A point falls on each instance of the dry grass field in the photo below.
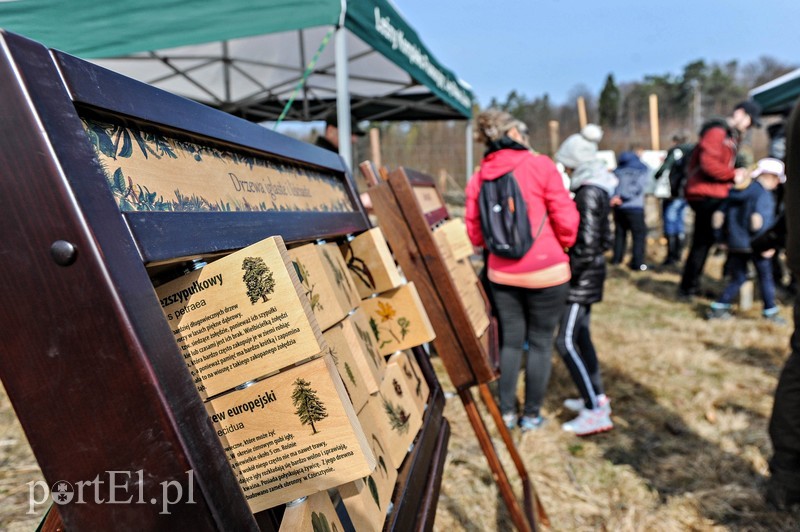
(691, 401)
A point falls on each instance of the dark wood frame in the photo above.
(408, 230)
(89, 364)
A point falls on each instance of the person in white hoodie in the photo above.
(593, 186)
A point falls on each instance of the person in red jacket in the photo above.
(529, 292)
(711, 173)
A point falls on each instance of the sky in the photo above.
(553, 46)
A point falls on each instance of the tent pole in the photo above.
(343, 97)
(469, 142)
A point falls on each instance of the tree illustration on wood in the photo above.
(398, 417)
(309, 407)
(258, 278)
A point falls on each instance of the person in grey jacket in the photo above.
(593, 185)
(628, 203)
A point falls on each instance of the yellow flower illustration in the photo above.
(385, 311)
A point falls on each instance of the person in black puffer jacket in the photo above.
(593, 186)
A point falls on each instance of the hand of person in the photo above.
(616, 201)
(740, 175)
(768, 254)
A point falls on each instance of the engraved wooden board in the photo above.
(155, 172)
(291, 434)
(353, 349)
(367, 500)
(240, 317)
(455, 234)
(314, 513)
(398, 320)
(428, 198)
(371, 263)
(394, 418)
(325, 281)
(407, 368)
(466, 282)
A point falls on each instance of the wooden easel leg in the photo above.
(529, 493)
(523, 522)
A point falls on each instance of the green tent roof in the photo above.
(780, 94)
(248, 57)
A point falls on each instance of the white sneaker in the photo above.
(577, 404)
(510, 421)
(589, 422)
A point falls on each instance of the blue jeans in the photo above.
(737, 269)
(673, 216)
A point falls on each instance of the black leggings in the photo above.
(532, 315)
(574, 344)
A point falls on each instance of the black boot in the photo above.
(673, 252)
(680, 240)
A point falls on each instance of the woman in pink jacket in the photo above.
(530, 292)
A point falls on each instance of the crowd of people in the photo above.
(543, 294)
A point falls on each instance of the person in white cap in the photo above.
(746, 214)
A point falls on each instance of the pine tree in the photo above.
(309, 407)
(258, 278)
(609, 103)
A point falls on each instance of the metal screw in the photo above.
(64, 253)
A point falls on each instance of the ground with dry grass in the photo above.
(691, 403)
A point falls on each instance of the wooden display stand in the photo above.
(110, 188)
(408, 207)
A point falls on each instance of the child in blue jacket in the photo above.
(746, 214)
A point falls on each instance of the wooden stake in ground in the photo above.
(375, 145)
(654, 134)
(552, 127)
(582, 112)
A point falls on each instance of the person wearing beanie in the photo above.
(712, 171)
(593, 186)
(628, 203)
(528, 292)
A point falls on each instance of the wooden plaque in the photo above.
(291, 434)
(371, 263)
(398, 320)
(428, 198)
(326, 282)
(465, 281)
(240, 317)
(314, 513)
(454, 233)
(352, 347)
(410, 372)
(367, 500)
(150, 171)
(393, 415)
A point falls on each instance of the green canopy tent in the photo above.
(779, 95)
(260, 59)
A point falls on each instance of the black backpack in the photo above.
(504, 218)
(679, 171)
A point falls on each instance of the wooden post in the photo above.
(582, 112)
(375, 145)
(654, 134)
(552, 127)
